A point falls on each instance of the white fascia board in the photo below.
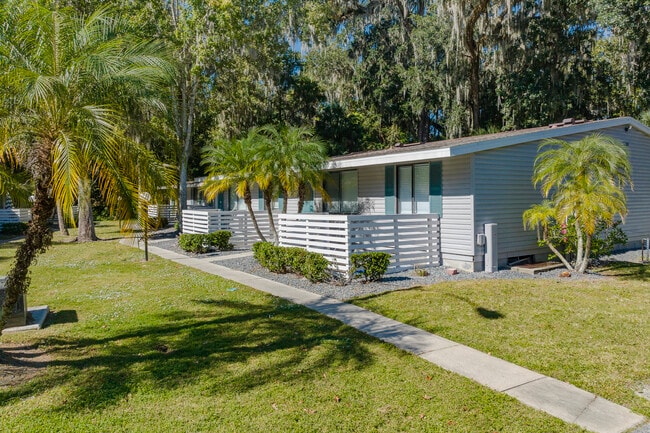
(561, 131)
(392, 158)
(638, 125)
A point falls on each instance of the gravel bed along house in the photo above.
(394, 281)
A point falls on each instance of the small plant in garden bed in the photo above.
(281, 260)
(370, 265)
(420, 272)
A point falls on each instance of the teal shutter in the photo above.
(389, 189)
(308, 205)
(435, 187)
(220, 201)
(260, 199)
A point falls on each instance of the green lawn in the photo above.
(593, 334)
(157, 347)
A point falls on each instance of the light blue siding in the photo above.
(456, 224)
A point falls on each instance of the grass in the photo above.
(154, 346)
(593, 334)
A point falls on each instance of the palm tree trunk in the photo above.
(559, 255)
(63, 228)
(585, 259)
(268, 204)
(86, 222)
(38, 236)
(302, 191)
(580, 245)
(249, 206)
(285, 201)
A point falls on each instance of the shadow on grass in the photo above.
(481, 311)
(61, 317)
(228, 347)
(359, 300)
(625, 271)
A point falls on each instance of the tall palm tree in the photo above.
(233, 163)
(585, 181)
(58, 72)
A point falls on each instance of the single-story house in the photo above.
(479, 180)
(470, 183)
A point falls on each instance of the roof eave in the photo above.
(546, 134)
(480, 146)
(391, 158)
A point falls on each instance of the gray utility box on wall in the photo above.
(18, 316)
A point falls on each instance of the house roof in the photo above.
(462, 146)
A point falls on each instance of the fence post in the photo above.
(348, 242)
(396, 239)
(245, 225)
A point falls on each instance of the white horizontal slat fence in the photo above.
(411, 240)
(162, 211)
(239, 223)
(15, 215)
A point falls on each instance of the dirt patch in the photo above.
(643, 390)
(20, 363)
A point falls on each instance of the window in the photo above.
(413, 189)
(228, 200)
(343, 190)
(234, 202)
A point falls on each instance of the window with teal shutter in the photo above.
(389, 189)
(308, 205)
(220, 201)
(435, 187)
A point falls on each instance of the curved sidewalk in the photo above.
(552, 396)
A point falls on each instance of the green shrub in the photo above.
(606, 237)
(314, 267)
(221, 240)
(371, 265)
(18, 228)
(194, 243)
(271, 257)
(294, 258)
(281, 260)
(158, 223)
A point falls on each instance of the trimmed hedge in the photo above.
(201, 243)
(194, 243)
(371, 265)
(18, 228)
(221, 240)
(281, 260)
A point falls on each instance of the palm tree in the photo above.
(233, 164)
(58, 73)
(297, 158)
(584, 181)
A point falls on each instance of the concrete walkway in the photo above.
(552, 396)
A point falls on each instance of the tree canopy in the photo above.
(368, 74)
